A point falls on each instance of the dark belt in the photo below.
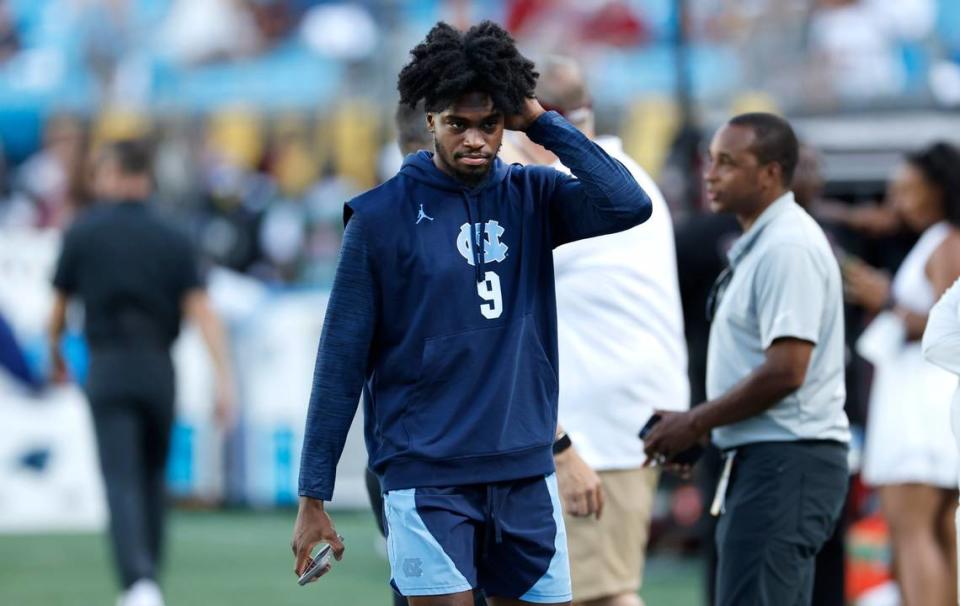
(804, 442)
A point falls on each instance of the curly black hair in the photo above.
(449, 64)
(940, 165)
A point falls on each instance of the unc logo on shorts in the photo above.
(494, 249)
(413, 567)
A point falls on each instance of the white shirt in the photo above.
(941, 344)
(620, 330)
(785, 283)
(941, 339)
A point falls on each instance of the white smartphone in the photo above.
(319, 565)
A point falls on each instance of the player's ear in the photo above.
(431, 124)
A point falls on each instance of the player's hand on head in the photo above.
(581, 491)
(529, 112)
(313, 526)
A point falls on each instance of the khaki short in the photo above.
(607, 555)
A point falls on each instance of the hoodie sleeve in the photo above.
(604, 197)
(341, 366)
(941, 339)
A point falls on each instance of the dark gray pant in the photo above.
(131, 397)
(782, 504)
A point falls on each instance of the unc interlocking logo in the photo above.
(494, 249)
(412, 567)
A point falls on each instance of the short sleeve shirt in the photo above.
(785, 283)
(131, 271)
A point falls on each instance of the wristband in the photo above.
(562, 443)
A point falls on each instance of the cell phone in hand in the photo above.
(688, 457)
(319, 565)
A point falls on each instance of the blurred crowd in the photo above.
(806, 53)
(258, 197)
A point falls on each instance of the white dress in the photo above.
(908, 428)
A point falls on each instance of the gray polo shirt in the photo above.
(785, 283)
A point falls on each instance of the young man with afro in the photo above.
(443, 313)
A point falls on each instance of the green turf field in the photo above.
(242, 559)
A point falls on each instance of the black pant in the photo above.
(131, 397)
(782, 504)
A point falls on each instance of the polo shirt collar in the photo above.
(745, 242)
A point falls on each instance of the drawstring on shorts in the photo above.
(496, 494)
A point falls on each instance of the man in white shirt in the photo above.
(622, 354)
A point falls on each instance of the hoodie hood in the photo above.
(420, 166)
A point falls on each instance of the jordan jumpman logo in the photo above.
(422, 215)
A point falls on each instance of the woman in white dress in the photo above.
(911, 456)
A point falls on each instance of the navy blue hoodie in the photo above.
(453, 338)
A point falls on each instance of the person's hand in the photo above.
(313, 526)
(224, 404)
(676, 432)
(874, 220)
(581, 491)
(866, 286)
(58, 367)
(530, 111)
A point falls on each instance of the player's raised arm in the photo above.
(603, 198)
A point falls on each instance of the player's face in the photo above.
(467, 137)
(918, 201)
(732, 172)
